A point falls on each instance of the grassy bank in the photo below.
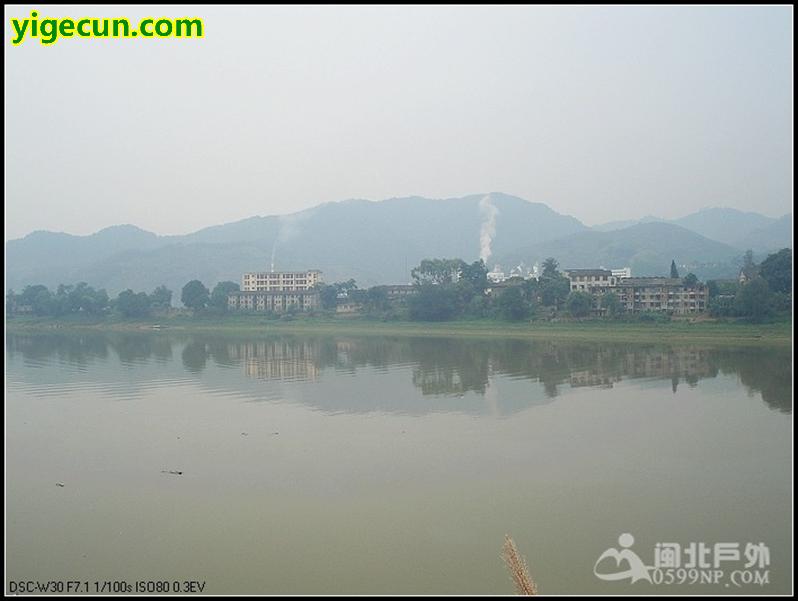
(674, 331)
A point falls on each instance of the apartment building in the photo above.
(624, 272)
(662, 294)
(277, 291)
(640, 294)
(591, 280)
(280, 281)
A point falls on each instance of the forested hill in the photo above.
(373, 242)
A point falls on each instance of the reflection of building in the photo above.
(277, 291)
(609, 368)
(586, 377)
(277, 359)
(688, 363)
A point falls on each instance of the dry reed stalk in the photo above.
(519, 572)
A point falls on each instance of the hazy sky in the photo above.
(601, 113)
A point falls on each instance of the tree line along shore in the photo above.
(448, 294)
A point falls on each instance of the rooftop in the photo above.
(651, 281)
(588, 272)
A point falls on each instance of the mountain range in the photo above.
(380, 242)
(730, 226)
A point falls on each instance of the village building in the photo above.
(398, 291)
(277, 291)
(640, 293)
(662, 294)
(624, 272)
(591, 280)
(280, 281)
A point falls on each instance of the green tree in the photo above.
(12, 300)
(347, 286)
(477, 307)
(550, 267)
(713, 288)
(38, 298)
(674, 271)
(531, 288)
(476, 274)
(220, 293)
(554, 290)
(161, 297)
(434, 303)
(612, 304)
(376, 300)
(722, 306)
(438, 271)
(83, 298)
(329, 292)
(777, 271)
(511, 304)
(749, 267)
(195, 295)
(328, 295)
(690, 280)
(130, 304)
(723, 287)
(61, 301)
(579, 304)
(753, 300)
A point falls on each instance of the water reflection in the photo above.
(437, 368)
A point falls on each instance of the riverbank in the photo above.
(721, 332)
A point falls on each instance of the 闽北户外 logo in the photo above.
(728, 564)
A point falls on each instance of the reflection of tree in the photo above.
(446, 366)
(162, 348)
(195, 356)
(220, 352)
(35, 347)
(131, 349)
(767, 371)
(439, 366)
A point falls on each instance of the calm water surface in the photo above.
(388, 464)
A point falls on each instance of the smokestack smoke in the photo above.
(288, 228)
(488, 230)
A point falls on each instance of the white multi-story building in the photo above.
(586, 280)
(280, 281)
(277, 291)
(497, 275)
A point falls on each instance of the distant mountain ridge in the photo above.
(373, 242)
(647, 248)
(742, 229)
(772, 236)
(380, 242)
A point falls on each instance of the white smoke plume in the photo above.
(274, 252)
(289, 227)
(488, 230)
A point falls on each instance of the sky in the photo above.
(602, 113)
